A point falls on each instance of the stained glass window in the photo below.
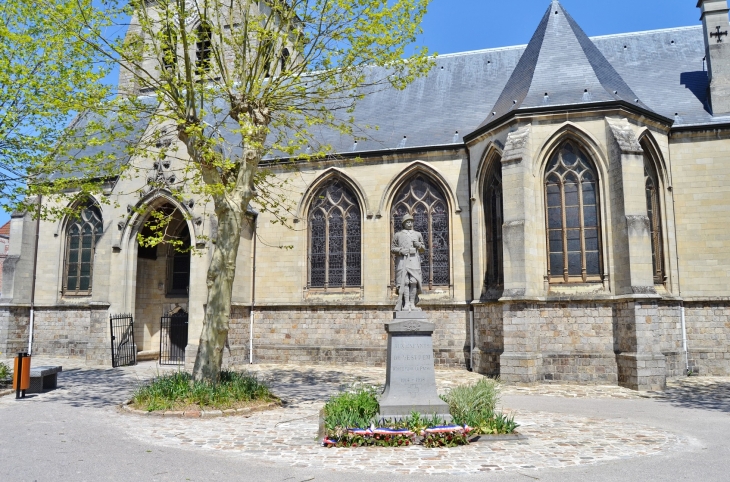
(82, 234)
(494, 219)
(423, 200)
(573, 227)
(655, 220)
(334, 238)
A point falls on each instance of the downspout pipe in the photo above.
(35, 269)
(253, 290)
(683, 323)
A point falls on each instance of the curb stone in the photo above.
(6, 392)
(127, 407)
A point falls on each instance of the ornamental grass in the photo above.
(5, 372)
(177, 391)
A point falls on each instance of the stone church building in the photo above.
(573, 195)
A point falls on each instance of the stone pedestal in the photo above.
(410, 383)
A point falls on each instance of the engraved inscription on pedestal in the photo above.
(410, 383)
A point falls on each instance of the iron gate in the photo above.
(173, 338)
(124, 351)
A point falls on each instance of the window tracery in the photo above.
(573, 224)
(335, 238)
(423, 200)
(82, 234)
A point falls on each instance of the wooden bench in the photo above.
(43, 378)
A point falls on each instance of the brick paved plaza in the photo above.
(569, 430)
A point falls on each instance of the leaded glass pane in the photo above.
(337, 248)
(655, 226)
(335, 238)
(318, 247)
(353, 248)
(426, 203)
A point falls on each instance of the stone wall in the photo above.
(73, 331)
(14, 323)
(488, 338)
(708, 337)
(236, 352)
(348, 335)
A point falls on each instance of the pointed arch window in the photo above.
(573, 222)
(651, 183)
(335, 238)
(421, 198)
(82, 235)
(494, 219)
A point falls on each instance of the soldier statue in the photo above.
(407, 246)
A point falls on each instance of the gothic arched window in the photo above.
(204, 48)
(573, 233)
(334, 238)
(422, 199)
(651, 183)
(82, 234)
(494, 219)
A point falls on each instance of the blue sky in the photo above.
(461, 25)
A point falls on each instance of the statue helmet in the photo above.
(407, 217)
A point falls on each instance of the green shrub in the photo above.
(475, 405)
(178, 391)
(5, 371)
(356, 408)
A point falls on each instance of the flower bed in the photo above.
(442, 436)
(358, 407)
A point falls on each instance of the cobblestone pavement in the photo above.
(287, 436)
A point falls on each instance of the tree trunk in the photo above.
(221, 273)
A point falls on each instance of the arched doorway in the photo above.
(163, 279)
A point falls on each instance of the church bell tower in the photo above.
(717, 49)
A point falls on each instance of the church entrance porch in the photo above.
(162, 283)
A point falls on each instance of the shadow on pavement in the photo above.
(704, 396)
(305, 385)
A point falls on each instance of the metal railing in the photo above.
(173, 338)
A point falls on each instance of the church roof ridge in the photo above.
(592, 38)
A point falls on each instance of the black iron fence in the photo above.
(173, 338)
(124, 351)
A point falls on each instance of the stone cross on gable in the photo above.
(718, 34)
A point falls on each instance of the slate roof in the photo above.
(664, 69)
(559, 67)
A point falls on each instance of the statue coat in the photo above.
(407, 264)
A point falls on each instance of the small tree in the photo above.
(241, 79)
(48, 74)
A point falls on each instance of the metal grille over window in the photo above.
(426, 203)
(179, 265)
(493, 211)
(334, 238)
(82, 235)
(204, 48)
(572, 218)
(655, 220)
